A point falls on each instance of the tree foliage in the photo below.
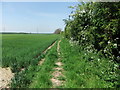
(96, 25)
(57, 31)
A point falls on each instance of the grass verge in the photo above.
(86, 69)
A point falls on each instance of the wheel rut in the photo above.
(44, 52)
(57, 73)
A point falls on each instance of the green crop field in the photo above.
(20, 50)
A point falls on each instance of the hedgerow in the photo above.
(95, 26)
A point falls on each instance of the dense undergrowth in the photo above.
(87, 69)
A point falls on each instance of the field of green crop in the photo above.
(20, 50)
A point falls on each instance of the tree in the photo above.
(57, 31)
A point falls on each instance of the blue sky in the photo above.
(32, 16)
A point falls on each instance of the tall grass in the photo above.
(87, 69)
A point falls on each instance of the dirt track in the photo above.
(5, 77)
(58, 70)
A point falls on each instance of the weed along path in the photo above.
(56, 82)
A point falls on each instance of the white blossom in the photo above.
(115, 45)
(104, 50)
(108, 42)
(92, 57)
(117, 38)
(98, 59)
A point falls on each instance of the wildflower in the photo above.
(92, 57)
(98, 59)
(116, 65)
(104, 50)
(117, 38)
(108, 42)
(115, 45)
(83, 38)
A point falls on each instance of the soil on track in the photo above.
(57, 71)
(5, 77)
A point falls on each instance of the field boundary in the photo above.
(44, 52)
(49, 47)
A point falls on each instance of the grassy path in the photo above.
(50, 72)
(57, 74)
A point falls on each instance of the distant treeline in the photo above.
(13, 33)
(22, 33)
